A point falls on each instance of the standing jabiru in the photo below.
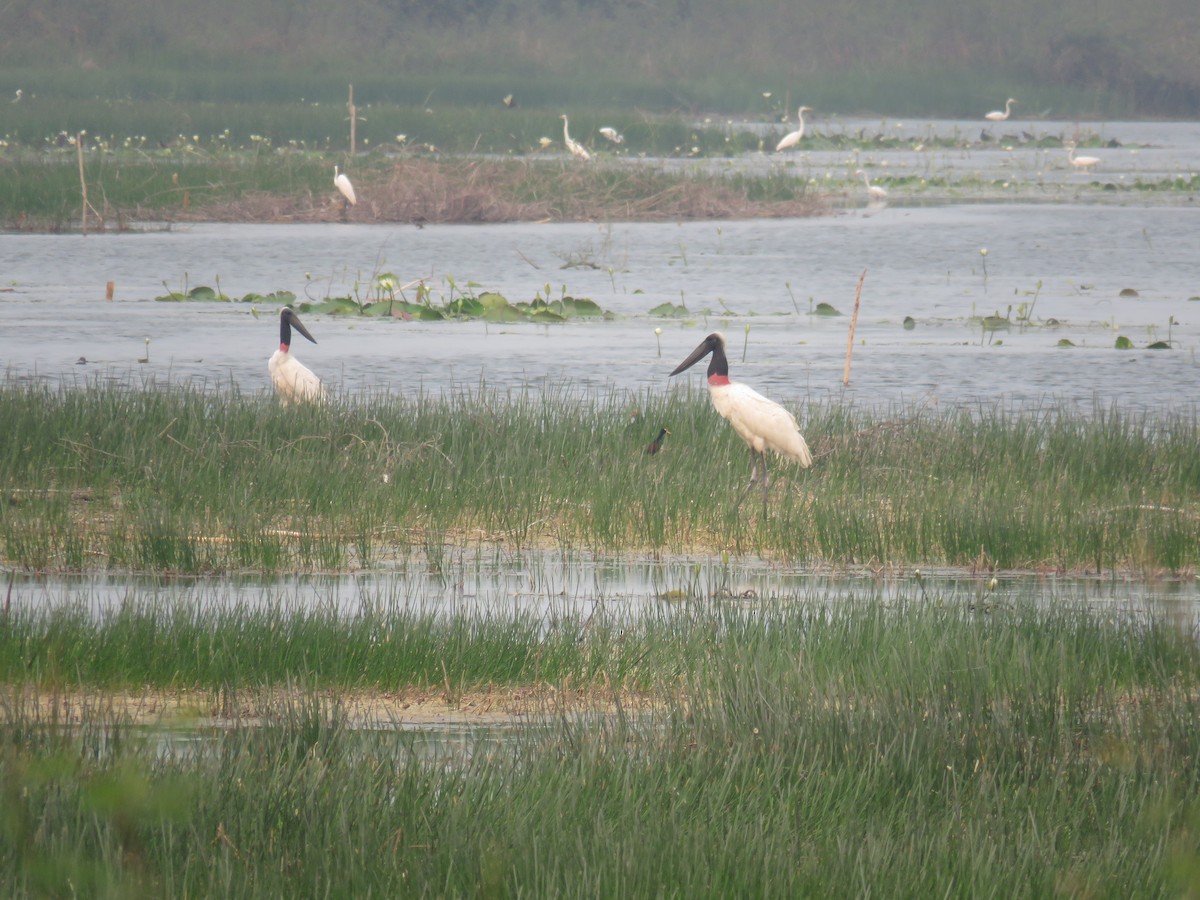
(294, 382)
(760, 422)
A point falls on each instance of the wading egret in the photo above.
(760, 422)
(791, 139)
(576, 148)
(874, 190)
(294, 382)
(345, 188)
(1081, 162)
(612, 134)
(997, 116)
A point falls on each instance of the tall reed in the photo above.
(181, 480)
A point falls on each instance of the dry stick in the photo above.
(853, 322)
(353, 122)
(82, 181)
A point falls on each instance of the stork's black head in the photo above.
(714, 344)
(287, 321)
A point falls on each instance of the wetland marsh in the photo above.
(456, 633)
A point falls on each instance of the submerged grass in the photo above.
(181, 480)
(804, 750)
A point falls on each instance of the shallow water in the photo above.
(578, 586)
(757, 280)
(761, 275)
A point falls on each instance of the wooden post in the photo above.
(109, 290)
(853, 322)
(82, 182)
(353, 122)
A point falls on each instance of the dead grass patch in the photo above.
(493, 191)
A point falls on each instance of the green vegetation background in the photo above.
(1099, 58)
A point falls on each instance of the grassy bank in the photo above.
(129, 189)
(101, 476)
(798, 751)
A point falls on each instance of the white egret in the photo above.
(294, 382)
(760, 422)
(612, 134)
(1080, 162)
(874, 190)
(577, 149)
(792, 138)
(345, 188)
(997, 116)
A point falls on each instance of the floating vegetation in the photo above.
(670, 311)
(385, 300)
(825, 309)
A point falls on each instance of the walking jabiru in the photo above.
(760, 422)
(294, 382)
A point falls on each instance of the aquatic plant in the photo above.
(138, 478)
(929, 741)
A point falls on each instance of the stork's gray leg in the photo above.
(765, 482)
(753, 478)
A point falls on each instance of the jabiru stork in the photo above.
(294, 382)
(792, 138)
(345, 188)
(760, 422)
(577, 149)
(997, 116)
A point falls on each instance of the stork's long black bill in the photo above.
(292, 319)
(694, 357)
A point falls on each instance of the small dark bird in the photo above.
(655, 445)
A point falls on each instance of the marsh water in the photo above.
(1065, 262)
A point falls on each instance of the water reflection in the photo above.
(577, 586)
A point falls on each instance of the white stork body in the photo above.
(345, 188)
(792, 138)
(763, 424)
(1081, 162)
(577, 149)
(874, 191)
(294, 382)
(997, 116)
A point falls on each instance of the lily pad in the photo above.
(1124, 343)
(824, 309)
(1128, 293)
(1159, 345)
(670, 311)
(577, 307)
(1064, 342)
(909, 323)
(205, 294)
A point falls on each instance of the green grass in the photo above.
(182, 480)
(804, 750)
